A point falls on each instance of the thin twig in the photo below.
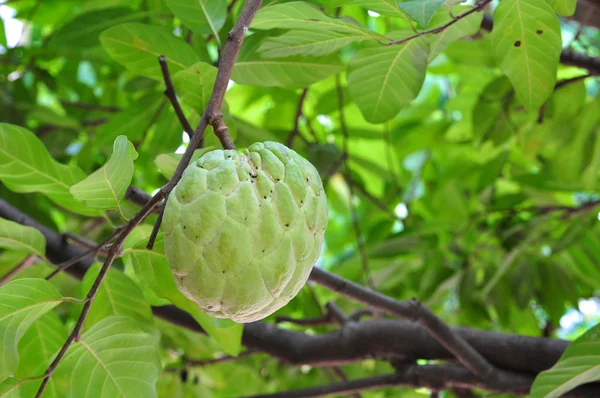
(355, 223)
(92, 250)
(295, 130)
(439, 29)
(27, 261)
(156, 227)
(222, 132)
(415, 311)
(172, 96)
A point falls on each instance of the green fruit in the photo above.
(243, 230)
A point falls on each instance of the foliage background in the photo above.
(484, 210)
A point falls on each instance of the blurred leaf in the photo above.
(467, 26)
(564, 7)
(138, 46)
(83, 31)
(105, 188)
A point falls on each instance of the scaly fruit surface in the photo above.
(243, 229)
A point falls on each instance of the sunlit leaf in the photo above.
(26, 166)
(527, 43)
(114, 358)
(312, 43)
(564, 7)
(22, 301)
(383, 79)
(106, 187)
(138, 46)
(578, 365)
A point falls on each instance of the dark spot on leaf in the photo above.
(287, 225)
(209, 307)
(264, 197)
(196, 380)
(539, 31)
(518, 43)
(183, 375)
(223, 271)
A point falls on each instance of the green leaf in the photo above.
(421, 11)
(22, 301)
(382, 79)
(201, 16)
(467, 26)
(2, 33)
(194, 85)
(527, 42)
(117, 296)
(579, 364)
(564, 7)
(301, 15)
(83, 31)
(19, 237)
(152, 268)
(313, 43)
(291, 72)
(137, 47)
(167, 162)
(114, 358)
(37, 349)
(105, 188)
(26, 166)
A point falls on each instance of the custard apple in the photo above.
(242, 230)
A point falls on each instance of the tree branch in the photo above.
(413, 310)
(172, 96)
(27, 261)
(295, 130)
(477, 7)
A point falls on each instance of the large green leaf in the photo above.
(22, 301)
(152, 268)
(83, 31)
(19, 237)
(421, 11)
(26, 166)
(291, 72)
(105, 188)
(201, 16)
(114, 358)
(527, 42)
(579, 364)
(383, 7)
(137, 47)
(383, 79)
(467, 26)
(117, 296)
(194, 85)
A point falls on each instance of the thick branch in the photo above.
(413, 310)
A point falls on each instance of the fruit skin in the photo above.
(243, 230)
